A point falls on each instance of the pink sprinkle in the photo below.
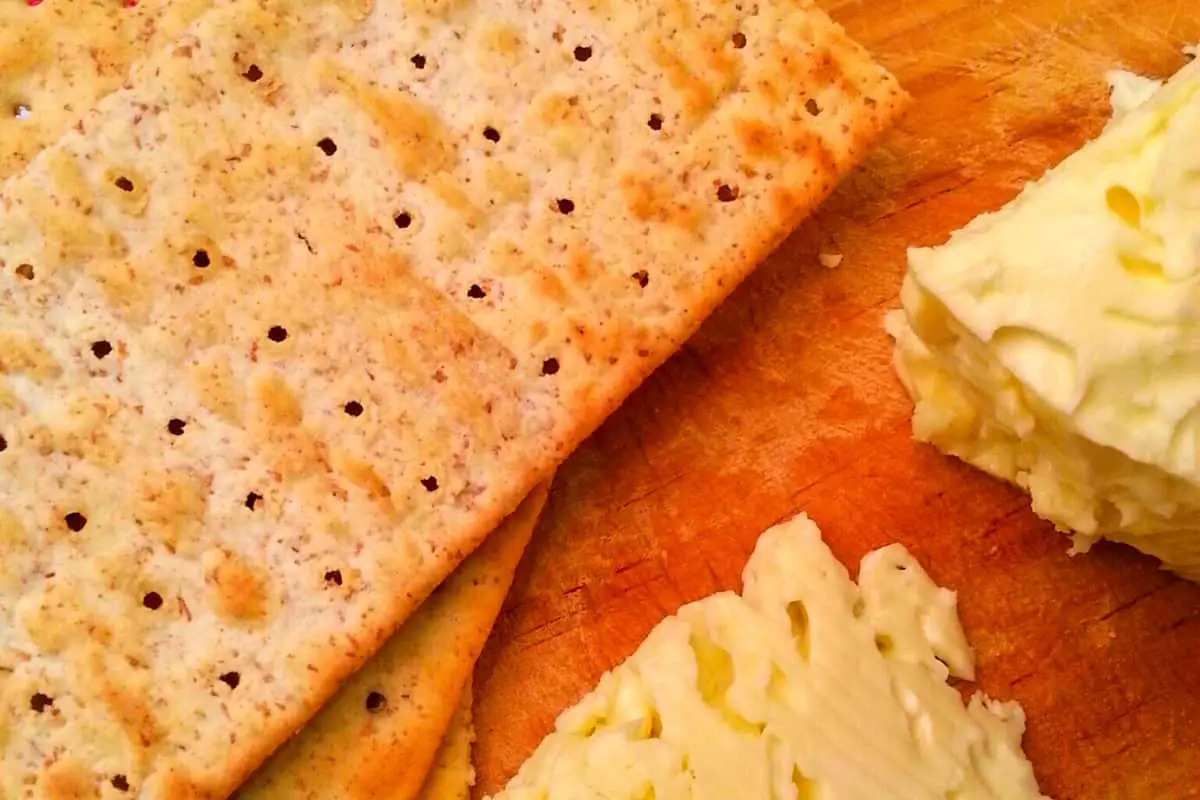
(33, 2)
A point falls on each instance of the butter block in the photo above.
(808, 685)
(1055, 343)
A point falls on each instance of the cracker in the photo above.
(57, 59)
(379, 736)
(452, 774)
(344, 317)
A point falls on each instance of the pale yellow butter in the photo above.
(805, 686)
(1056, 342)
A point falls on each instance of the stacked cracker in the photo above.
(301, 310)
(378, 737)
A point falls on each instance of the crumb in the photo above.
(830, 260)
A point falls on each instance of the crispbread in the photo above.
(452, 774)
(333, 325)
(378, 737)
(58, 58)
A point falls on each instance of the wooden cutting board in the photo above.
(785, 401)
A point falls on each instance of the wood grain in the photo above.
(785, 400)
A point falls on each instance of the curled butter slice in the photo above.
(807, 685)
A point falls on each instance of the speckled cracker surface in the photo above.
(378, 738)
(453, 773)
(58, 58)
(326, 289)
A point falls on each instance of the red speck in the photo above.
(33, 2)
(130, 3)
